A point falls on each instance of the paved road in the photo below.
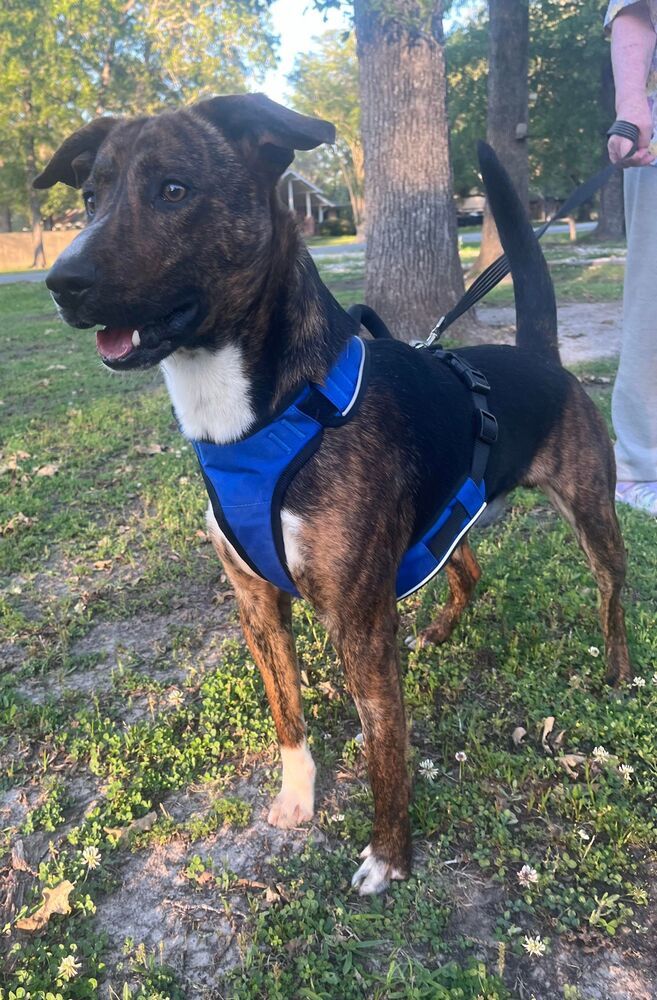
(8, 279)
(328, 251)
(341, 248)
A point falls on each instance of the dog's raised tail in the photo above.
(536, 309)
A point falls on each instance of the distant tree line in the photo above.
(62, 62)
(409, 103)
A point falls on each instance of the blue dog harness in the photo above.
(247, 480)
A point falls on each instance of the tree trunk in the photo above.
(105, 78)
(508, 106)
(5, 218)
(39, 258)
(358, 184)
(350, 181)
(412, 270)
(611, 218)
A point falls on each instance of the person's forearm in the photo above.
(632, 47)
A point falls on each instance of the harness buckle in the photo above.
(487, 430)
(475, 380)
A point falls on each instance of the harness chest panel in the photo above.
(246, 480)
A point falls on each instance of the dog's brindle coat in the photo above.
(189, 246)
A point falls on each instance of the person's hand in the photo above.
(639, 114)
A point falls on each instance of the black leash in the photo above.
(494, 273)
(475, 381)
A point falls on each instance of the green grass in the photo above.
(333, 241)
(109, 542)
(591, 281)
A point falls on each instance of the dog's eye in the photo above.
(173, 192)
(90, 203)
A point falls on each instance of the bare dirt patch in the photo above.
(194, 925)
(587, 331)
(600, 968)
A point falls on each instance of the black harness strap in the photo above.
(485, 424)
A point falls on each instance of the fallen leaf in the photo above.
(518, 735)
(149, 449)
(12, 462)
(548, 726)
(18, 520)
(559, 739)
(141, 825)
(56, 368)
(47, 470)
(570, 761)
(329, 690)
(103, 564)
(249, 883)
(44, 383)
(18, 860)
(54, 901)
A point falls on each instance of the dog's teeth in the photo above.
(136, 339)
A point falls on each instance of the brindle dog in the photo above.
(190, 260)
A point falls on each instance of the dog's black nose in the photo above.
(70, 277)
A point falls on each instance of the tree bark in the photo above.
(5, 218)
(351, 182)
(105, 78)
(412, 269)
(611, 217)
(508, 106)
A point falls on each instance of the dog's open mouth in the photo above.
(140, 346)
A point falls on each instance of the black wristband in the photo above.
(626, 130)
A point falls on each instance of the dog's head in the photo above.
(179, 221)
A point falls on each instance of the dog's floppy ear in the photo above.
(266, 132)
(72, 162)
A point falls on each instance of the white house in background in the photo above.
(306, 200)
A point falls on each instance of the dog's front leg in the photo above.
(266, 617)
(367, 643)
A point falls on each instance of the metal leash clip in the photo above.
(433, 336)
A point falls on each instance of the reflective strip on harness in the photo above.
(428, 556)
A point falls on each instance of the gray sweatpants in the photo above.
(634, 400)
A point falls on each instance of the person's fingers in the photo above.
(618, 148)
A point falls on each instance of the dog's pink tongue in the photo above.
(114, 342)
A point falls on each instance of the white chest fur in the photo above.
(210, 393)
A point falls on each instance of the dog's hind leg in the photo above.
(577, 473)
(266, 617)
(463, 573)
(367, 644)
(596, 527)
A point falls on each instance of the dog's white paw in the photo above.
(374, 874)
(410, 642)
(295, 803)
(290, 809)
